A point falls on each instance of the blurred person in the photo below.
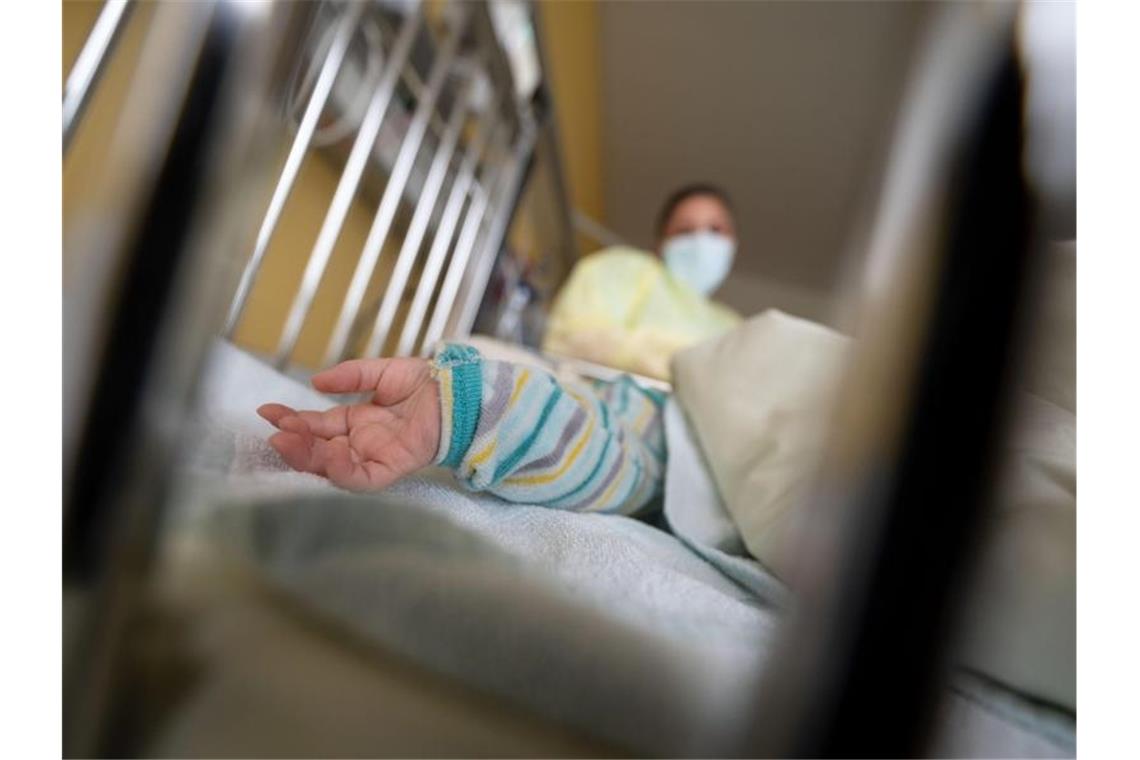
(632, 309)
(696, 236)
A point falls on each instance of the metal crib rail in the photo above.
(410, 248)
(321, 90)
(495, 233)
(466, 64)
(457, 266)
(394, 190)
(346, 188)
(92, 61)
(441, 243)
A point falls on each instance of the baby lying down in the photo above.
(500, 427)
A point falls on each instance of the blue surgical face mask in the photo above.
(701, 260)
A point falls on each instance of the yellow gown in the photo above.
(622, 308)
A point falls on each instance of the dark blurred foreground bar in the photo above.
(908, 477)
(186, 159)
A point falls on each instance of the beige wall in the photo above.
(572, 38)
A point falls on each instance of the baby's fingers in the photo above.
(294, 449)
(332, 422)
(272, 413)
(326, 424)
(300, 449)
(296, 425)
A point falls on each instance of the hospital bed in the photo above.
(289, 185)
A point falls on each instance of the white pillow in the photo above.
(759, 399)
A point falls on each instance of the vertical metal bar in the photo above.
(346, 188)
(416, 230)
(91, 63)
(492, 241)
(458, 265)
(187, 157)
(390, 201)
(443, 236)
(321, 90)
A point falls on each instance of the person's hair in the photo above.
(682, 194)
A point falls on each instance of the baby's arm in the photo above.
(522, 435)
(511, 430)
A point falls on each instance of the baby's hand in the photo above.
(364, 447)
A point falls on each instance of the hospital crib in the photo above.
(417, 131)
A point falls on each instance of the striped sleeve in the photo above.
(520, 434)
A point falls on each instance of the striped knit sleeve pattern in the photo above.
(520, 434)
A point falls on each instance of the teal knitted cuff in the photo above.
(459, 370)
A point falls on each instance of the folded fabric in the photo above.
(759, 399)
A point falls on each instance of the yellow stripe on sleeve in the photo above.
(600, 505)
(484, 454)
(519, 383)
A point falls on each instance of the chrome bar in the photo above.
(390, 201)
(346, 188)
(472, 225)
(91, 62)
(321, 90)
(187, 157)
(492, 241)
(416, 229)
(443, 236)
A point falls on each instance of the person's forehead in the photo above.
(699, 209)
(700, 205)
